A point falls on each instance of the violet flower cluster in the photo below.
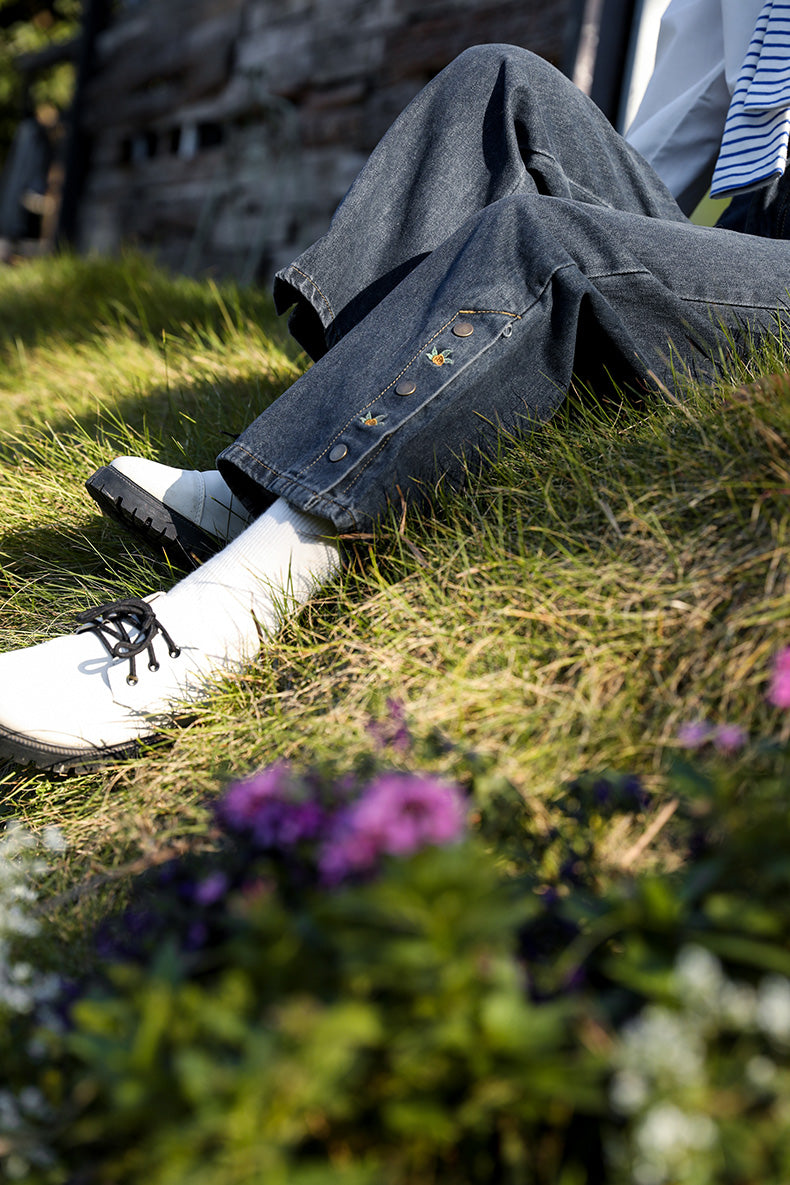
(343, 838)
(393, 730)
(729, 738)
(725, 738)
(779, 691)
(396, 815)
(274, 807)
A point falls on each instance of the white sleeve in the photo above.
(680, 120)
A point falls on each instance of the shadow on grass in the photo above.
(87, 562)
(186, 425)
(75, 299)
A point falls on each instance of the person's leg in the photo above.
(497, 122)
(486, 333)
(483, 335)
(764, 211)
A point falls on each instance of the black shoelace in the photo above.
(109, 624)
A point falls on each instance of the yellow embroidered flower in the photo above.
(439, 358)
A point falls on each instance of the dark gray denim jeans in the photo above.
(501, 239)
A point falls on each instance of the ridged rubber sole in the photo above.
(61, 759)
(184, 543)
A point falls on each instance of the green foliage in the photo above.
(44, 23)
(453, 1018)
(386, 1026)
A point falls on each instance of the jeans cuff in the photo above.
(257, 485)
(311, 315)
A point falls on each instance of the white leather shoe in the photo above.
(188, 513)
(77, 701)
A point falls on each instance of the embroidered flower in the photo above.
(440, 358)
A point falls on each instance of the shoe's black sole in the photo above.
(182, 541)
(60, 759)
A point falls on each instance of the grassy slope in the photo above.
(608, 580)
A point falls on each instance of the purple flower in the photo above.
(634, 791)
(779, 691)
(602, 792)
(397, 814)
(196, 936)
(694, 735)
(729, 738)
(392, 731)
(211, 889)
(273, 808)
(241, 803)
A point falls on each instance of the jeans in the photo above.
(501, 240)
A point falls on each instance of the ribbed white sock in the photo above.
(247, 591)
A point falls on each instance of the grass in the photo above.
(619, 574)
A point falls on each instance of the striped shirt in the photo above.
(757, 130)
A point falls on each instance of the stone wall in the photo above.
(224, 132)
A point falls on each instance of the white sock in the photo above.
(246, 592)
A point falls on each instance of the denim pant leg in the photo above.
(497, 121)
(484, 335)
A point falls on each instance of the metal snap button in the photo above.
(406, 387)
(463, 329)
(338, 452)
(507, 331)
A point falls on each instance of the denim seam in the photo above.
(374, 454)
(310, 280)
(293, 481)
(516, 316)
(731, 304)
(703, 300)
(379, 448)
(628, 271)
(376, 398)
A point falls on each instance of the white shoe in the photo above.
(189, 514)
(77, 701)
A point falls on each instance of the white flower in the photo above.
(773, 1008)
(16, 1167)
(9, 1112)
(738, 1004)
(32, 1103)
(22, 988)
(669, 1139)
(664, 1045)
(628, 1092)
(761, 1071)
(661, 1130)
(699, 974)
(53, 839)
(646, 1173)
